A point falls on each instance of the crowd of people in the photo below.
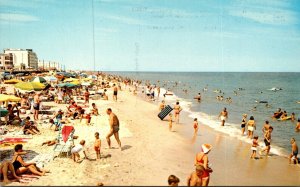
(34, 104)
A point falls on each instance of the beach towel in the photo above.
(165, 112)
(13, 140)
(66, 131)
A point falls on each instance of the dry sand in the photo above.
(151, 153)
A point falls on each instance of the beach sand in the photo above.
(151, 153)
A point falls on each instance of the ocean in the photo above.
(245, 90)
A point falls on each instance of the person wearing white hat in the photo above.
(202, 159)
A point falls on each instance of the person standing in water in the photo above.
(243, 125)
(267, 141)
(251, 127)
(223, 116)
(293, 155)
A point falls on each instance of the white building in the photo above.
(23, 58)
(6, 61)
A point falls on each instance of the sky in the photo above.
(157, 35)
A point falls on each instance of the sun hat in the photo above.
(206, 148)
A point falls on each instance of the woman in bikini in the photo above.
(177, 110)
(202, 159)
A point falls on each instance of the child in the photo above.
(195, 126)
(254, 147)
(75, 151)
(293, 156)
(97, 145)
(173, 180)
(170, 122)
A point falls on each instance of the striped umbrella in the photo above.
(38, 79)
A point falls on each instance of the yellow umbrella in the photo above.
(12, 81)
(86, 79)
(30, 86)
(12, 98)
(71, 80)
(76, 82)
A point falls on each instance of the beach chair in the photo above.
(65, 141)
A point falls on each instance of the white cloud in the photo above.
(122, 19)
(106, 30)
(17, 17)
(265, 12)
(276, 17)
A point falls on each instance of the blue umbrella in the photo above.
(69, 85)
(3, 112)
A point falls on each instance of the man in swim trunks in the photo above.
(115, 96)
(223, 116)
(36, 105)
(195, 179)
(293, 155)
(114, 127)
(267, 141)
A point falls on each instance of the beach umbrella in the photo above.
(12, 81)
(30, 86)
(76, 82)
(70, 79)
(85, 83)
(92, 77)
(12, 98)
(38, 79)
(69, 85)
(86, 79)
(50, 78)
(3, 112)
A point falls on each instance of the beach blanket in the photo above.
(66, 131)
(42, 159)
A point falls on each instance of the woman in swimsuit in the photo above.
(22, 167)
(202, 159)
(195, 126)
(177, 110)
(251, 127)
(243, 125)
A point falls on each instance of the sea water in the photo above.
(245, 90)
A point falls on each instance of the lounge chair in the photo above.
(65, 141)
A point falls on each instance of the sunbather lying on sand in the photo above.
(50, 142)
